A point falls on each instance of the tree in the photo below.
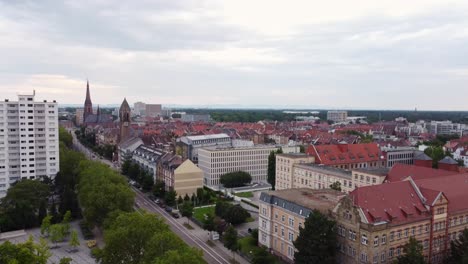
(66, 222)
(436, 153)
(186, 197)
(159, 189)
(57, 233)
(459, 249)
(21, 206)
(170, 197)
(65, 260)
(235, 179)
(74, 240)
(45, 226)
(254, 235)
(336, 186)
(25, 253)
(189, 256)
(180, 200)
(236, 215)
(316, 242)
(147, 181)
(272, 167)
(187, 210)
(230, 239)
(412, 253)
(262, 257)
(65, 137)
(209, 223)
(126, 167)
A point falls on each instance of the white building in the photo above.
(337, 116)
(216, 162)
(29, 144)
(190, 145)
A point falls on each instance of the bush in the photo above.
(233, 214)
(86, 230)
(235, 179)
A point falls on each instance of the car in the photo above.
(162, 205)
(157, 201)
(168, 209)
(175, 215)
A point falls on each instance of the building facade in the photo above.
(79, 114)
(125, 120)
(403, 155)
(29, 143)
(216, 162)
(282, 213)
(337, 116)
(188, 146)
(285, 168)
(183, 177)
(153, 110)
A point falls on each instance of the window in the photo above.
(282, 231)
(384, 239)
(291, 236)
(399, 234)
(290, 252)
(364, 240)
(392, 235)
(291, 222)
(376, 241)
(282, 218)
(382, 257)
(406, 232)
(390, 253)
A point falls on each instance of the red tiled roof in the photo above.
(454, 187)
(344, 153)
(399, 172)
(392, 202)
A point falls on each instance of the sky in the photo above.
(243, 53)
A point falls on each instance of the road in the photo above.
(195, 238)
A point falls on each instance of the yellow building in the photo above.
(187, 178)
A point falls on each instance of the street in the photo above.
(195, 238)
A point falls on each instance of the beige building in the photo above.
(299, 171)
(337, 116)
(285, 168)
(186, 178)
(79, 116)
(217, 162)
(281, 213)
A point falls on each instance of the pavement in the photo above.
(197, 237)
(83, 256)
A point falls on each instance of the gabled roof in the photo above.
(393, 202)
(344, 153)
(454, 187)
(422, 156)
(448, 160)
(400, 172)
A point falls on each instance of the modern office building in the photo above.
(153, 110)
(188, 146)
(216, 162)
(403, 155)
(196, 118)
(29, 143)
(337, 116)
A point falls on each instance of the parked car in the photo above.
(168, 209)
(175, 215)
(157, 201)
(162, 205)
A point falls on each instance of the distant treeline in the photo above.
(255, 115)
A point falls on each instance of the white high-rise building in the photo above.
(29, 143)
(216, 162)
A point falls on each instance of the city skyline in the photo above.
(385, 55)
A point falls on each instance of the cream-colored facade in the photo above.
(281, 213)
(299, 171)
(187, 178)
(216, 162)
(285, 168)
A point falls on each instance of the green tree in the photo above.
(236, 215)
(316, 242)
(24, 253)
(21, 205)
(126, 167)
(272, 167)
(235, 179)
(189, 256)
(102, 191)
(436, 153)
(412, 253)
(45, 226)
(66, 222)
(65, 137)
(209, 223)
(170, 197)
(180, 200)
(65, 260)
(74, 240)
(186, 197)
(336, 186)
(262, 256)
(187, 210)
(147, 181)
(57, 233)
(459, 249)
(254, 235)
(230, 239)
(159, 189)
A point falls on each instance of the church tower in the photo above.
(88, 105)
(124, 115)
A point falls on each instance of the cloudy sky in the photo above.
(334, 54)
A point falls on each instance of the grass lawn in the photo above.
(199, 213)
(247, 245)
(244, 194)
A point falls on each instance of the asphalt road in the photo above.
(212, 255)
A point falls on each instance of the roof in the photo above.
(189, 139)
(400, 172)
(294, 155)
(131, 141)
(454, 188)
(326, 169)
(344, 153)
(303, 200)
(448, 160)
(422, 156)
(374, 171)
(395, 202)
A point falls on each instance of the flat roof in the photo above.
(294, 155)
(299, 199)
(374, 171)
(325, 168)
(203, 137)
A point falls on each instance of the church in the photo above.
(91, 119)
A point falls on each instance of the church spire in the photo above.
(98, 112)
(88, 105)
